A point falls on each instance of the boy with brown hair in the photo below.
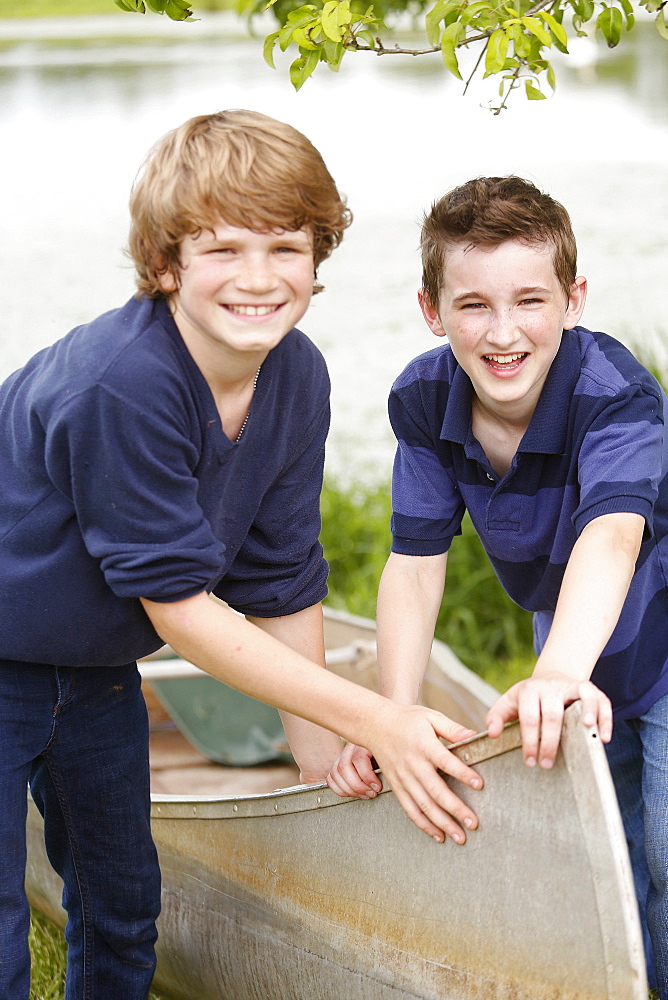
(168, 450)
(553, 439)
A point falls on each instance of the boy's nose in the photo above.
(256, 275)
(503, 330)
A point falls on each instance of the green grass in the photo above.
(48, 950)
(487, 631)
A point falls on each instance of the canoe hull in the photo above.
(303, 896)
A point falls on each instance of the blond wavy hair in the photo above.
(239, 167)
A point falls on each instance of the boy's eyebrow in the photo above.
(517, 292)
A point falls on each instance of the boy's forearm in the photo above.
(237, 652)
(314, 748)
(592, 595)
(593, 591)
(405, 741)
(409, 598)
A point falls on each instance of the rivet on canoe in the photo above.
(235, 808)
(318, 800)
(194, 810)
(276, 807)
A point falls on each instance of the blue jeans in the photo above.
(638, 758)
(79, 737)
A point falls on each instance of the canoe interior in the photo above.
(180, 767)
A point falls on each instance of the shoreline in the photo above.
(86, 27)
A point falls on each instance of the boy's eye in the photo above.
(530, 302)
(473, 305)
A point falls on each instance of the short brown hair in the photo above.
(486, 212)
(245, 168)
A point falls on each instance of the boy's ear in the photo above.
(430, 313)
(576, 303)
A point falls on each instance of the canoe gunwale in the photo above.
(303, 798)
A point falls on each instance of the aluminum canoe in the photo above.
(296, 894)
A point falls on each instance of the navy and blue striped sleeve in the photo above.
(427, 506)
(620, 458)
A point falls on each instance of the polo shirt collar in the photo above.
(546, 433)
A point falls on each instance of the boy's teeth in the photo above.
(252, 310)
(504, 359)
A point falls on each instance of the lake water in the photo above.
(82, 100)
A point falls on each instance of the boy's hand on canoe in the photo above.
(539, 704)
(352, 774)
(410, 754)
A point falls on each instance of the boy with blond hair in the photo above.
(553, 439)
(168, 450)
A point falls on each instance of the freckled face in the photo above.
(504, 311)
(240, 290)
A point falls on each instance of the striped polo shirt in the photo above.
(595, 445)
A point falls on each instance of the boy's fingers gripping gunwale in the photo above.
(596, 709)
(352, 774)
(539, 703)
(430, 802)
(413, 775)
(541, 712)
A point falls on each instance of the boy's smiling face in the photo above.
(240, 290)
(503, 311)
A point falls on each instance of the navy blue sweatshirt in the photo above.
(118, 482)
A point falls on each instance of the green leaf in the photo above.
(333, 54)
(285, 36)
(433, 22)
(368, 37)
(497, 49)
(302, 68)
(303, 39)
(610, 23)
(300, 18)
(522, 45)
(157, 6)
(653, 5)
(268, 51)
(661, 23)
(557, 29)
(551, 78)
(177, 10)
(536, 28)
(330, 21)
(301, 15)
(533, 93)
(471, 11)
(585, 9)
(134, 6)
(627, 7)
(451, 37)
(343, 15)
